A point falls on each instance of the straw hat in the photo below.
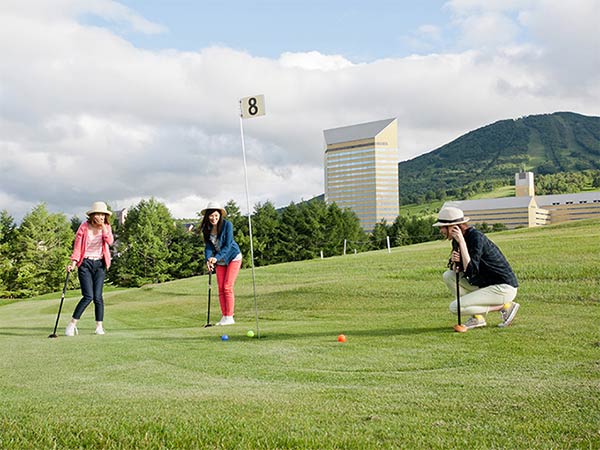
(449, 215)
(214, 205)
(99, 207)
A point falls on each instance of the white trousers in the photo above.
(476, 300)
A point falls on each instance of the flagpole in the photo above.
(249, 223)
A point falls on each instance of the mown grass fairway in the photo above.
(403, 379)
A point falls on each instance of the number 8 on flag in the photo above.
(252, 106)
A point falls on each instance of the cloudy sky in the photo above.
(126, 100)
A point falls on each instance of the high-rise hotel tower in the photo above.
(361, 170)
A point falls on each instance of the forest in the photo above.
(153, 247)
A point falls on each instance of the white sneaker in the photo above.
(71, 330)
(100, 330)
(226, 320)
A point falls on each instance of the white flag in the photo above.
(252, 106)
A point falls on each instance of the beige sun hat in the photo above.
(214, 205)
(98, 207)
(449, 215)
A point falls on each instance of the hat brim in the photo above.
(89, 213)
(449, 224)
(221, 210)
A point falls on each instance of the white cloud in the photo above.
(314, 61)
(487, 30)
(85, 116)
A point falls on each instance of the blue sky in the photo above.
(125, 100)
(361, 31)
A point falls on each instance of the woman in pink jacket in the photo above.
(91, 256)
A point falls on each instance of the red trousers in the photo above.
(226, 276)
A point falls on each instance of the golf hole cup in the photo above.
(342, 338)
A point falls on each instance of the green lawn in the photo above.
(403, 379)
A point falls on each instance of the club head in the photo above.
(53, 335)
(208, 325)
(460, 328)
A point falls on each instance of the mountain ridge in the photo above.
(489, 156)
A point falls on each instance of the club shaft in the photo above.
(458, 296)
(62, 299)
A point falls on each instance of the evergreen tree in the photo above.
(378, 238)
(266, 232)
(342, 225)
(143, 254)
(75, 222)
(186, 252)
(42, 247)
(311, 223)
(291, 248)
(7, 235)
(398, 231)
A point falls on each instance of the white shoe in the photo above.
(226, 320)
(71, 330)
(100, 330)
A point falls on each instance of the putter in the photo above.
(208, 324)
(459, 327)
(62, 299)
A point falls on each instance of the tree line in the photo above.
(545, 184)
(153, 247)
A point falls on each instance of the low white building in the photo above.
(529, 210)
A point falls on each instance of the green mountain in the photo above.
(490, 156)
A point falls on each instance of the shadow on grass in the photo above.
(235, 334)
(28, 331)
(291, 336)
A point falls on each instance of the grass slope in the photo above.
(402, 380)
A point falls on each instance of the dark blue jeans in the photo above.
(91, 275)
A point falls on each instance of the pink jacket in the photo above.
(81, 243)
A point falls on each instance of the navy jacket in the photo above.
(488, 265)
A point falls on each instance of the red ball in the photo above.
(342, 338)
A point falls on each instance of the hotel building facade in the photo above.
(361, 170)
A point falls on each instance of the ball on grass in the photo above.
(224, 337)
(250, 333)
(342, 338)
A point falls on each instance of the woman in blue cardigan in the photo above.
(222, 255)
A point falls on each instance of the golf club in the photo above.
(459, 327)
(62, 299)
(208, 324)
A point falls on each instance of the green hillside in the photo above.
(490, 156)
(403, 379)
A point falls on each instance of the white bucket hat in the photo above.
(214, 205)
(98, 207)
(450, 215)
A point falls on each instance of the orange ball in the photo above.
(342, 338)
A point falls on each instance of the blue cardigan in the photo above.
(229, 248)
